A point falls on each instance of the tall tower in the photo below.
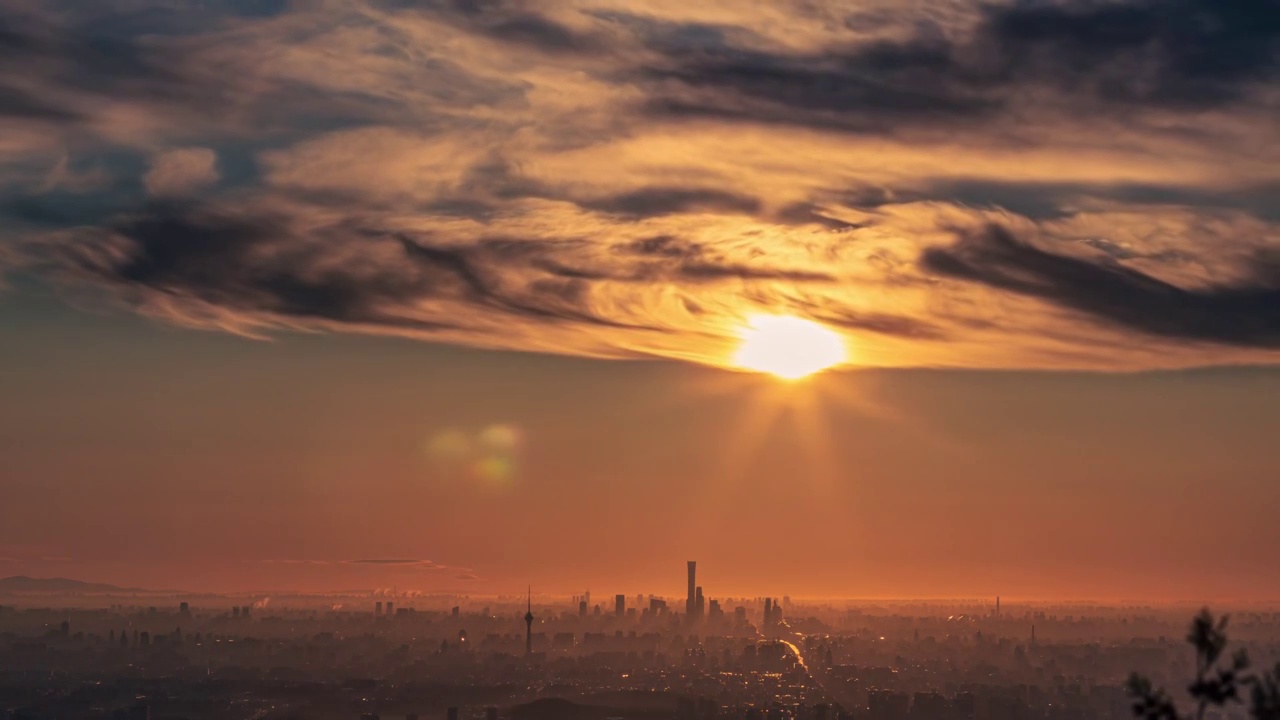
(690, 603)
(528, 625)
(997, 606)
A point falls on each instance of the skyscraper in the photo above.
(528, 626)
(699, 607)
(690, 603)
(620, 605)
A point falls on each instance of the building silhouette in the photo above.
(528, 625)
(690, 603)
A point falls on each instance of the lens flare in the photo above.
(488, 457)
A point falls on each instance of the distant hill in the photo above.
(22, 584)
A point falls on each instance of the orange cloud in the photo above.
(597, 180)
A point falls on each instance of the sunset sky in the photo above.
(450, 295)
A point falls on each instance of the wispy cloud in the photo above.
(949, 183)
(1243, 313)
(391, 562)
(421, 564)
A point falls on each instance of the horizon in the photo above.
(561, 596)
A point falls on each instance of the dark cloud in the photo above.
(864, 89)
(489, 183)
(1057, 200)
(656, 201)
(882, 323)
(673, 258)
(85, 59)
(807, 214)
(1175, 54)
(61, 68)
(251, 263)
(661, 246)
(261, 265)
(509, 22)
(542, 33)
(1179, 53)
(1245, 314)
(484, 287)
(697, 271)
(18, 103)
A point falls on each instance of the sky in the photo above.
(446, 295)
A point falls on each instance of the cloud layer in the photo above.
(1017, 184)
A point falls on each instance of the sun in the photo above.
(788, 347)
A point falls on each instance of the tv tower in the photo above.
(528, 625)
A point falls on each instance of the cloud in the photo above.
(864, 89)
(509, 22)
(1184, 55)
(1246, 313)
(466, 577)
(423, 564)
(621, 181)
(651, 201)
(179, 172)
(63, 69)
(389, 562)
(184, 258)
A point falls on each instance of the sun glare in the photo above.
(788, 347)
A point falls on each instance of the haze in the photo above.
(451, 296)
